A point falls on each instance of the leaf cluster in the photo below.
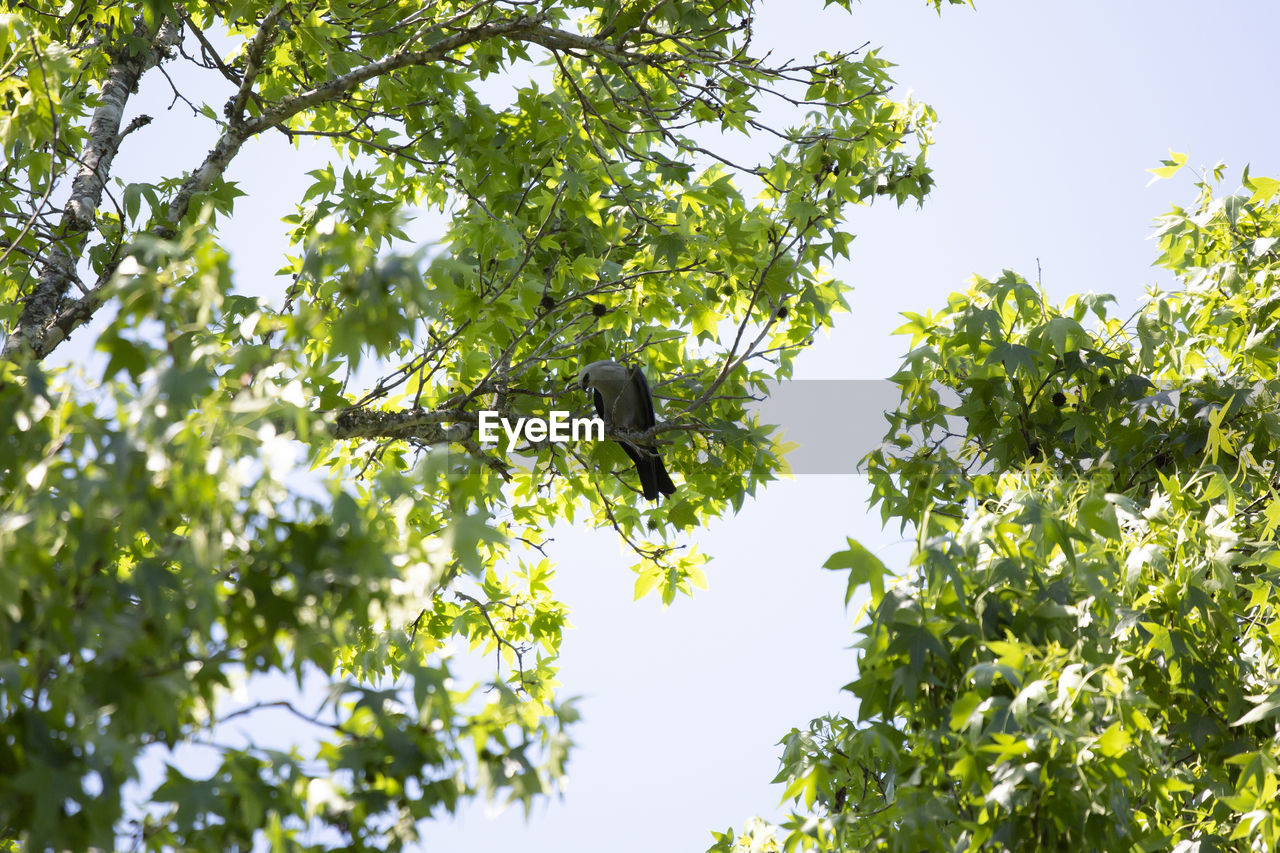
(236, 485)
(1083, 653)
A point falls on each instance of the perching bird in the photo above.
(623, 400)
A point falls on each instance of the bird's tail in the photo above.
(654, 478)
(661, 479)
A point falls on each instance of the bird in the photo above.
(622, 400)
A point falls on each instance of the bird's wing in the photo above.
(645, 413)
(599, 401)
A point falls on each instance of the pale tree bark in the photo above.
(39, 329)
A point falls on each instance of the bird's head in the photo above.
(603, 372)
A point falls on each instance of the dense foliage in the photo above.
(1083, 654)
(159, 545)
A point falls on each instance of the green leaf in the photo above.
(1266, 707)
(645, 582)
(1115, 741)
(1264, 189)
(1169, 168)
(863, 567)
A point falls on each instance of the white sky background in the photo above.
(1049, 115)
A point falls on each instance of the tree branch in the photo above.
(39, 317)
(253, 64)
(424, 426)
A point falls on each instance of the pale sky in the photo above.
(1049, 115)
